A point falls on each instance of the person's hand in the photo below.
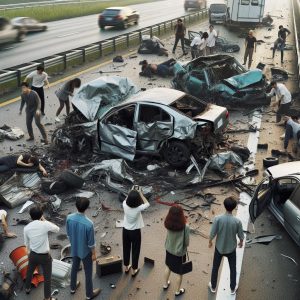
(42, 218)
(10, 235)
(210, 244)
(38, 113)
(240, 244)
(94, 257)
(45, 174)
(29, 164)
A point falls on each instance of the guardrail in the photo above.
(296, 16)
(11, 78)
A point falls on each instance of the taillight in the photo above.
(118, 17)
(101, 17)
(227, 114)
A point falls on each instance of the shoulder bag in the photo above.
(186, 267)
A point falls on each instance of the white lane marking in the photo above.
(223, 292)
(68, 34)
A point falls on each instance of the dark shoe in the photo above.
(128, 269)
(96, 292)
(181, 292)
(135, 272)
(27, 291)
(43, 114)
(77, 286)
(30, 139)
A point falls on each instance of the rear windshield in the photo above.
(111, 12)
(189, 105)
(218, 8)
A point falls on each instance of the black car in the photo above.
(118, 17)
(222, 44)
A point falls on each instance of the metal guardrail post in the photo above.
(127, 39)
(296, 33)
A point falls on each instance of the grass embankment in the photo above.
(66, 11)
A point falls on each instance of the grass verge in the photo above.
(66, 11)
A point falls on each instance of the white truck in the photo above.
(246, 11)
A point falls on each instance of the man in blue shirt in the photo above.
(80, 230)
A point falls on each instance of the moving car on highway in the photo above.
(31, 25)
(221, 79)
(198, 4)
(280, 192)
(120, 17)
(10, 33)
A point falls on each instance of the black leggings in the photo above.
(61, 106)
(131, 244)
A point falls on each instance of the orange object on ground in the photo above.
(20, 259)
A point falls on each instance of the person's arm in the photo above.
(46, 81)
(287, 31)
(42, 169)
(175, 28)
(26, 242)
(246, 42)
(145, 204)
(272, 93)
(240, 234)
(213, 232)
(184, 30)
(29, 76)
(22, 104)
(215, 34)
(50, 226)
(187, 235)
(255, 43)
(5, 228)
(193, 42)
(287, 136)
(22, 164)
(37, 102)
(91, 242)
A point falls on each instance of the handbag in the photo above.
(187, 266)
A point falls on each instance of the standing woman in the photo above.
(133, 205)
(177, 241)
(63, 95)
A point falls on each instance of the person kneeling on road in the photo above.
(292, 130)
(164, 69)
(284, 99)
(11, 162)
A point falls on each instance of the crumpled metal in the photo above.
(218, 161)
(243, 80)
(11, 133)
(94, 98)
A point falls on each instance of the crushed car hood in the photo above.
(96, 97)
(244, 80)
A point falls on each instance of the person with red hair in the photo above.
(177, 241)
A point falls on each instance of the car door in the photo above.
(261, 198)
(154, 125)
(291, 213)
(116, 134)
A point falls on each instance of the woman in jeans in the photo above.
(177, 241)
(63, 94)
(133, 205)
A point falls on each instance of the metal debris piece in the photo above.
(263, 239)
(290, 258)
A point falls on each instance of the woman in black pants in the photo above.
(133, 205)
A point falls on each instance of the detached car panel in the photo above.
(280, 192)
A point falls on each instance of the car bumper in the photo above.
(110, 23)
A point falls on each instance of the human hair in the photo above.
(175, 219)
(250, 31)
(230, 203)
(36, 212)
(133, 199)
(179, 20)
(273, 83)
(24, 83)
(76, 82)
(40, 68)
(211, 26)
(82, 204)
(205, 35)
(34, 160)
(294, 118)
(280, 26)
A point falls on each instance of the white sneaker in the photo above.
(57, 119)
(282, 136)
(233, 292)
(211, 289)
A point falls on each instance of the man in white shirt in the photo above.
(37, 244)
(39, 78)
(211, 40)
(198, 45)
(284, 99)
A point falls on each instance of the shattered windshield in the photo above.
(218, 8)
(223, 71)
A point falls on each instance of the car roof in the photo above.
(164, 96)
(285, 169)
(115, 8)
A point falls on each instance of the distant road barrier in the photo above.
(296, 15)
(11, 78)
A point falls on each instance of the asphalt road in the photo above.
(72, 33)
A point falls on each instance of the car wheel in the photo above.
(72, 179)
(21, 37)
(270, 161)
(102, 27)
(125, 25)
(229, 50)
(177, 154)
(136, 22)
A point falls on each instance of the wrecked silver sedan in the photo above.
(164, 122)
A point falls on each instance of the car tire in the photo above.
(54, 187)
(21, 37)
(177, 154)
(270, 161)
(125, 25)
(72, 179)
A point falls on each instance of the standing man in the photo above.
(226, 227)
(284, 99)
(33, 103)
(179, 30)
(80, 230)
(37, 244)
(38, 79)
(281, 41)
(211, 40)
(250, 47)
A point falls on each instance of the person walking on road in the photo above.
(80, 231)
(281, 41)
(180, 31)
(63, 95)
(37, 244)
(250, 47)
(284, 99)
(133, 206)
(199, 46)
(211, 40)
(33, 105)
(177, 241)
(226, 227)
(38, 79)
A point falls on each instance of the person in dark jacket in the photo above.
(177, 241)
(179, 30)
(250, 47)
(63, 95)
(281, 41)
(164, 69)
(33, 111)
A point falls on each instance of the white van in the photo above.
(249, 11)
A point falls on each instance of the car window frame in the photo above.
(138, 110)
(113, 111)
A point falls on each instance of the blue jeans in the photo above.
(88, 270)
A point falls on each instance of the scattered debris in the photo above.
(290, 258)
(263, 239)
(11, 133)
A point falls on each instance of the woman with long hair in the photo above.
(177, 241)
(63, 94)
(133, 205)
